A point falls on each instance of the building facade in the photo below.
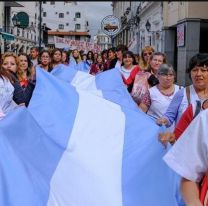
(64, 19)
(177, 28)
(28, 35)
(185, 33)
(103, 40)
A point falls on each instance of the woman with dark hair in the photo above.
(56, 57)
(197, 91)
(129, 69)
(65, 58)
(112, 60)
(160, 95)
(90, 58)
(45, 60)
(98, 66)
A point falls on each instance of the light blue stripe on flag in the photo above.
(28, 160)
(107, 153)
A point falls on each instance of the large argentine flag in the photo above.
(72, 147)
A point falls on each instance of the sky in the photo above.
(95, 11)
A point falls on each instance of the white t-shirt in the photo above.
(184, 103)
(126, 72)
(6, 97)
(189, 155)
(160, 103)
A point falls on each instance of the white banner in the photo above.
(75, 44)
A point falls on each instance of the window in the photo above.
(44, 14)
(67, 24)
(77, 26)
(77, 38)
(67, 12)
(61, 15)
(44, 2)
(77, 15)
(61, 26)
(52, 2)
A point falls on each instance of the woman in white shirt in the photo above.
(161, 95)
(6, 93)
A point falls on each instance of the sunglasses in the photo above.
(149, 53)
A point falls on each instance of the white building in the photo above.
(151, 13)
(103, 40)
(29, 36)
(135, 16)
(64, 19)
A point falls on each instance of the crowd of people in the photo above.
(149, 79)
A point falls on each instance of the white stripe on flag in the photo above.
(89, 172)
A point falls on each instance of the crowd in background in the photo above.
(149, 79)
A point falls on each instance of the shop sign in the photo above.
(111, 25)
(180, 35)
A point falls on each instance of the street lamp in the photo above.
(15, 21)
(148, 25)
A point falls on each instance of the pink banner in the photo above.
(75, 44)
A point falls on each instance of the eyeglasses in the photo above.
(201, 69)
(46, 57)
(147, 53)
(166, 75)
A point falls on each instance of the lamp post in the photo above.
(148, 26)
(15, 21)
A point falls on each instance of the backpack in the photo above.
(198, 103)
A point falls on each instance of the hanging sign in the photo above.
(111, 25)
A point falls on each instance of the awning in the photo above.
(13, 4)
(7, 36)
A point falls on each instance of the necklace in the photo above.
(166, 94)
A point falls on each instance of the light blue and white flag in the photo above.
(108, 84)
(72, 147)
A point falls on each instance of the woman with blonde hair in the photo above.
(24, 70)
(147, 51)
(77, 62)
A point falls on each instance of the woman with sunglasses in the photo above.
(147, 51)
(146, 79)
